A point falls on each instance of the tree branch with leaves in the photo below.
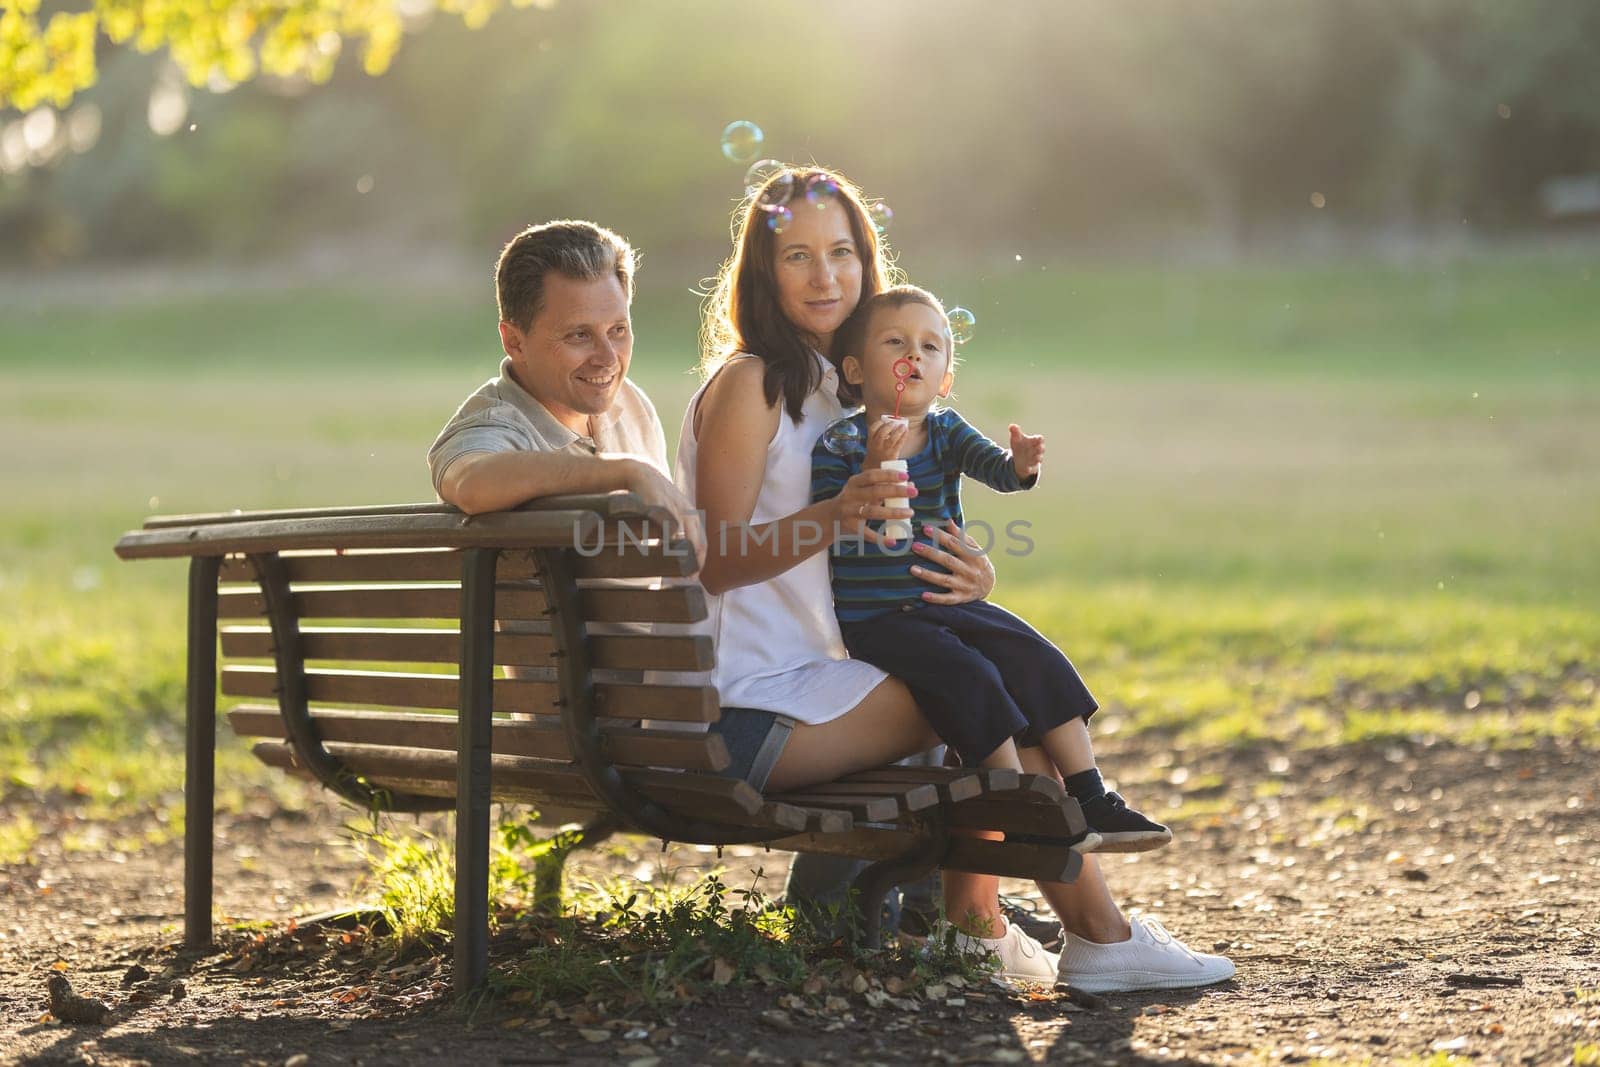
(48, 57)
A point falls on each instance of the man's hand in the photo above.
(654, 488)
(1027, 452)
(884, 439)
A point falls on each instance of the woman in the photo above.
(800, 711)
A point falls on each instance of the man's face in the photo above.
(573, 356)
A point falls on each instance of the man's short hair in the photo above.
(575, 249)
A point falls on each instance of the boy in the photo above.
(985, 679)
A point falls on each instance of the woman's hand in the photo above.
(971, 574)
(861, 501)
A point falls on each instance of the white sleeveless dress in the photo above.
(778, 644)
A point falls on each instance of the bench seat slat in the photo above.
(727, 797)
(953, 784)
(911, 796)
(691, 652)
(443, 601)
(703, 796)
(444, 565)
(861, 808)
(681, 703)
(629, 746)
(1010, 814)
(1008, 860)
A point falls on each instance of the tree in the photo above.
(49, 57)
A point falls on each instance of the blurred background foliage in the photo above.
(1237, 124)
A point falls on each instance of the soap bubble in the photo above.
(962, 325)
(779, 218)
(881, 215)
(843, 438)
(741, 141)
(773, 177)
(821, 191)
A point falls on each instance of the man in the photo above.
(562, 416)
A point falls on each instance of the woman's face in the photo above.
(818, 270)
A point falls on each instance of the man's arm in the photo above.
(494, 481)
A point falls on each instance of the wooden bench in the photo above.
(413, 658)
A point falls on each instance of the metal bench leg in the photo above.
(200, 746)
(873, 884)
(549, 869)
(473, 769)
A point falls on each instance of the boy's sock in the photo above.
(1085, 785)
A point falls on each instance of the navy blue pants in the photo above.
(979, 673)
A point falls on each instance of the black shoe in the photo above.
(1121, 828)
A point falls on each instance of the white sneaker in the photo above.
(1150, 959)
(1020, 956)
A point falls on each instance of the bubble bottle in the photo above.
(897, 529)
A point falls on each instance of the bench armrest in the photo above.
(550, 522)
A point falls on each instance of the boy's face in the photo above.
(912, 331)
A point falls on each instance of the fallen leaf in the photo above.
(722, 971)
(595, 1036)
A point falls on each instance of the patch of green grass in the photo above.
(18, 833)
(92, 706)
(1586, 1054)
(1212, 668)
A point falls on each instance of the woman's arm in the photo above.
(734, 425)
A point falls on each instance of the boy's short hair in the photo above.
(573, 248)
(851, 336)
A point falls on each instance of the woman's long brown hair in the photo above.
(742, 312)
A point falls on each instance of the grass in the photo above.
(630, 944)
(1301, 505)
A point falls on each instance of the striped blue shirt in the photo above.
(868, 579)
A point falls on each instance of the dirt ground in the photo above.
(1403, 903)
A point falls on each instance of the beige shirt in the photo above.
(501, 416)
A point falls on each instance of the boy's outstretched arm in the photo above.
(975, 455)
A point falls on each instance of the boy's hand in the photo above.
(883, 442)
(1027, 452)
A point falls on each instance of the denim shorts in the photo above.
(755, 739)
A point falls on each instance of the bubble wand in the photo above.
(902, 370)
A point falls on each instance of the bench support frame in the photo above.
(564, 605)
(293, 703)
(200, 750)
(872, 885)
(473, 767)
